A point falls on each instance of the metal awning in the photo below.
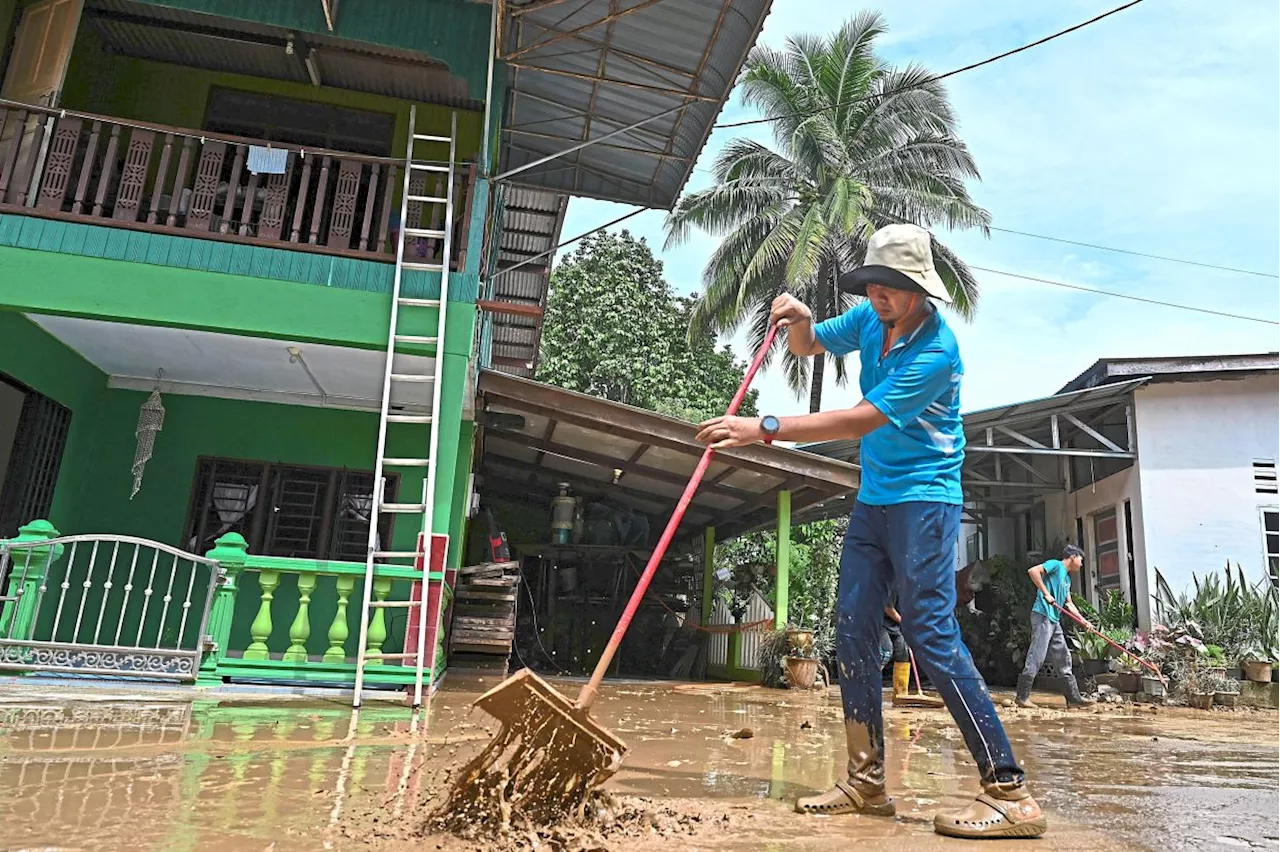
(196, 40)
(1007, 447)
(585, 69)
(638, 458)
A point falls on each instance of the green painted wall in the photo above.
(75, 285)
(455, 32)
(102, 82)
(37, 359)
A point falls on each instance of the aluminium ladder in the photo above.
(376, 558)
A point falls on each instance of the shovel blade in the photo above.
(541, 766)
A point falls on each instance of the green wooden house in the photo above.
(203, 221)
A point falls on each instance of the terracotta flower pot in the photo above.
(801, 672)
(1225, 699)
(1257, 671)
(1200, 700)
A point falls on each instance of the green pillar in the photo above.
(784, 560)
(231, 551)
(28, 568)
(708, 571)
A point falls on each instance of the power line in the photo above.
(1126, 296)
(1138, 253)
(939, 77)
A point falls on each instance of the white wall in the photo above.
(1196, 445)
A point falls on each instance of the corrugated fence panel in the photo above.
(718, 645)
(757, 610)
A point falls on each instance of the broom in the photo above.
(549, 753)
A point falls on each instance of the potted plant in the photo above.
(1214, 660)
(1129, 675)
(1225, 689)
(771, 658)
(1094, 654)
(1256, 663)
(802, 667)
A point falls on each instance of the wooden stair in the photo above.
(484, 616)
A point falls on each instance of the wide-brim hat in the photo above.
(901, 257)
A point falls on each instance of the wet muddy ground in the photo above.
(139, 773)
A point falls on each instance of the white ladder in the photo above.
(376, 558)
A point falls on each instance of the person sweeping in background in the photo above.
(894, 648)
(1053, 580)
(903, 530)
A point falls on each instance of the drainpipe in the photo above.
(494, 21)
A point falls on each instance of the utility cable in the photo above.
(937, 78)
(1137, 253)
(1127, 296)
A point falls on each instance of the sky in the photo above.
(1155, 130)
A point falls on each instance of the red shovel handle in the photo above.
(588, 695)
(1122, 649)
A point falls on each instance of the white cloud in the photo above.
(1155, 130)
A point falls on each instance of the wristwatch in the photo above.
(770, 426)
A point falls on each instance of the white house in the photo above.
(1147, 463)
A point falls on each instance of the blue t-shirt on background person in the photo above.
(1058, 581)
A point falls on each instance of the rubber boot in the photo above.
(864, 791)
(1023, 698)
(901, 681)
(1001, 810)
(1073, 696)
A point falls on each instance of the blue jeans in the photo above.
(910, 548)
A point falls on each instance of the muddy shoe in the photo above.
(844, 798)
(1023, 697)
(1000, 811)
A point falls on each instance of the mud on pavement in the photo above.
(203, 776)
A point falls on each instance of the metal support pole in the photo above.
(708, 571)
(486, 166)
(510, 172)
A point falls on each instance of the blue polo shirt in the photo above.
(917, 455)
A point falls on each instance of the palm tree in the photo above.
(859, 145)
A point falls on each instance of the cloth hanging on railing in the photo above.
(264, 160)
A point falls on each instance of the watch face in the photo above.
(770, 424)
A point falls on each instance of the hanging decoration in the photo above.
(150, 421)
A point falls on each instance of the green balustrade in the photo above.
(338, 631)
(300, 630)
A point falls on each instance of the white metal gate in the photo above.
(104, 605)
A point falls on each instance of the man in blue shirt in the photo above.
(904, 527)
(1053, 579)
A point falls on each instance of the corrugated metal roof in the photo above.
(582, 71)
(585, 440)
(1015, 414)
(530, 226)
(195, 40)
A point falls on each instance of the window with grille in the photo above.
(285, 510)
(1264, 476)
(1271, 542)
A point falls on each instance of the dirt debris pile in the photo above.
(606, 821)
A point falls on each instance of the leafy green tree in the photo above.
(859, 145)
(613, 328)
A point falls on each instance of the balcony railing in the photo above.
(83, 167)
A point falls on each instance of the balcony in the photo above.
(83, 167)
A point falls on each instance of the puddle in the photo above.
(203, 775)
